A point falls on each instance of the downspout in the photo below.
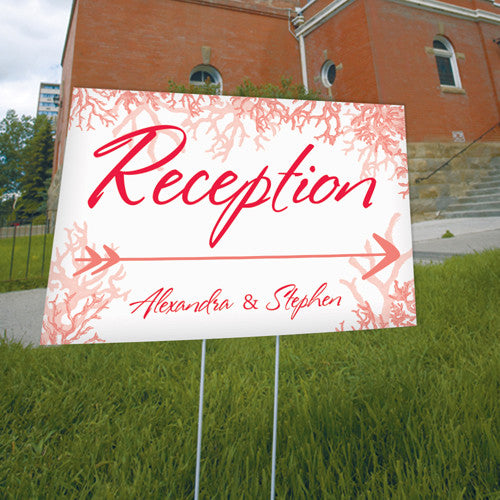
(303, 64)
(297, 21)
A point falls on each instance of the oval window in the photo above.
(328, 73)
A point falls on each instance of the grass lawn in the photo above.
(35, 278)
(403, 413)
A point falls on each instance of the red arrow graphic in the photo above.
(390, 254)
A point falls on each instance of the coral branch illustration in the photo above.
(377, 132)
(398, 300)
(76, 302)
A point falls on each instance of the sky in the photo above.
(32, 34)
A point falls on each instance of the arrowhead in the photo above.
(95, 260)
(391, 255)
(113, 259)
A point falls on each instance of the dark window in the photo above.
(197, 77)
(202, 77)
(444, 70)
(439, 45)
(331, 74)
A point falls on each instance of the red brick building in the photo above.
(440, 58)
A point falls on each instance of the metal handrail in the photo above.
(420, 179)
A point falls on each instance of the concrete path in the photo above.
(21, 315)
(21, 312)
(470, 235)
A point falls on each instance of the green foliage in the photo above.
(26, 153)
(37, 159)
(23, 284)
(448, 234)
(207, 88)
(14, 135)
(285, 90)
(7, 211)
(398, 413)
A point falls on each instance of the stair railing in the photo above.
(420, 179)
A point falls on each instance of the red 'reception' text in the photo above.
(227, 189)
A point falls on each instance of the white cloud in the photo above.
(32, 34)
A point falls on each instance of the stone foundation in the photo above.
(429, 197)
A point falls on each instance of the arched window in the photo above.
(206, 74)
(446, 62)
(328, 73)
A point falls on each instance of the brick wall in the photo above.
(345, 40)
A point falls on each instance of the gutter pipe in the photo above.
(296, 22)
(303, 64)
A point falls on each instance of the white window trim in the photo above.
(324, 73)
(449, 53)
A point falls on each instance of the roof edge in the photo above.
(67, 30)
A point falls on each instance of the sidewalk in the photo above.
(21, 312)
(470, 235)
(21, 315)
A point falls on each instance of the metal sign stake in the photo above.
(275, 416)
(200, 421)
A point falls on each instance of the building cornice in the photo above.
(263, 10)
(437, 6)
(476, 15)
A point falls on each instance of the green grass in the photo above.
(20, 259)
(399, 413)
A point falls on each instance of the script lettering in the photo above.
(239, 194)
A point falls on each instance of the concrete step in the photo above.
(491, 178)
(488, 184)
(473, 206)
(468, 213)
(480, 198)
(484, 191)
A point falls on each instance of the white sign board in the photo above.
(190, 216)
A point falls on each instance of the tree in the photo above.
(37, 169)
(15, 133)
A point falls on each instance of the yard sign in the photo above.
(190, 216)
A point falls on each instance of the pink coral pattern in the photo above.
(227, 121)
(340, 327)
(377, 132)
(398, 301)
(76, 302)
(88, 107)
